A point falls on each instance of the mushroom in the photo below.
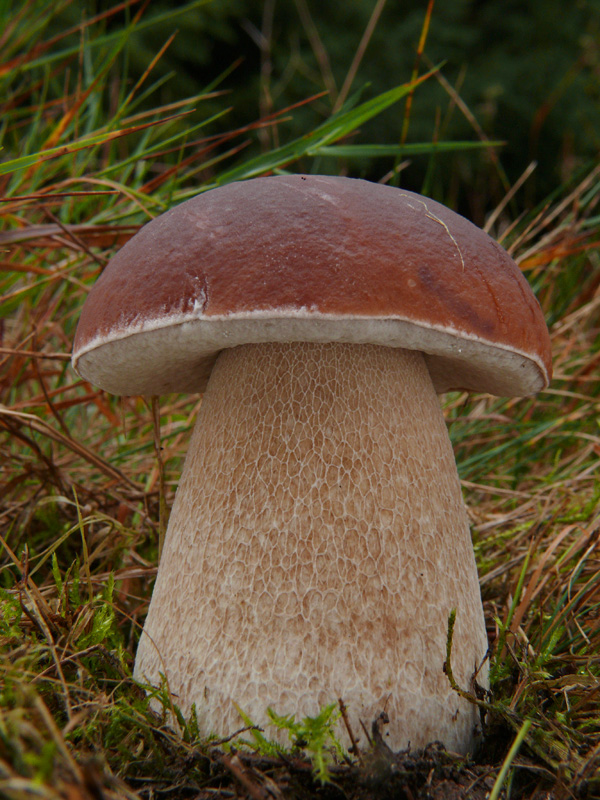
(318, 540)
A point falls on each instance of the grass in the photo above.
(86, 160)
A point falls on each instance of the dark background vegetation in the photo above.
(527, 72)
(97, 136)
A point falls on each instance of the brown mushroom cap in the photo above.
(317, 259)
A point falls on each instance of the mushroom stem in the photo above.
(316, 547)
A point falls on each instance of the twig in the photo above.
(237, 769)
(70, 234)
(11, 351)
(343, 711)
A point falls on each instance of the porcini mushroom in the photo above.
(318, 540)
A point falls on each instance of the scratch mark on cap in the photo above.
(432, 216)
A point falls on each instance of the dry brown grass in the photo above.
(80, 492)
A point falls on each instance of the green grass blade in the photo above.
(387, 150)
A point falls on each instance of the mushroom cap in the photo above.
(318, 259)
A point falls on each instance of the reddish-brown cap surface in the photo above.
(311, 258)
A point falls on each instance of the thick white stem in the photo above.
(316, 546)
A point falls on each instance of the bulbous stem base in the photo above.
(316, 547)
